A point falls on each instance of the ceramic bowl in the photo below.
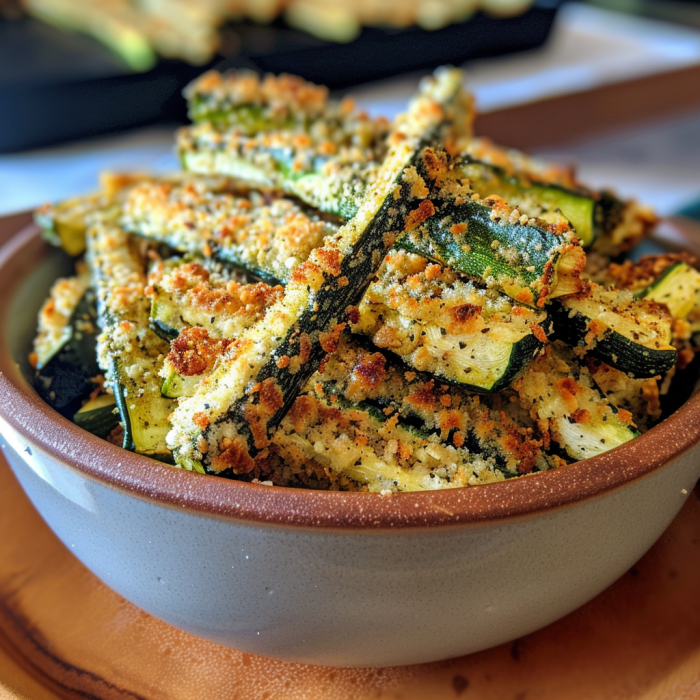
(331, 578)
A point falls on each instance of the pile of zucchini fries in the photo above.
(329, 300)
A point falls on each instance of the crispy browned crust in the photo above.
(283, 94)
(193, 352)
(634, 276)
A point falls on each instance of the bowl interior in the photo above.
(30, 293)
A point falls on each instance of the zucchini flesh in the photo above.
(176, 384)
(64, 224)
(332, 154)
(568, 408)
(535, 199)
(678, 287)
(98, 416)
(253, 387)
(631, 335)
(444, 325)
(128, 350)
(67, 370)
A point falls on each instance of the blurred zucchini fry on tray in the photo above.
(326, 300)
(189, 29)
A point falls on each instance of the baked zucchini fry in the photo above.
(547, 201)
(671, 280)
(633, 335)
(442, 324)
(641, 397)
(253, 105)
(64, 349)
(329, 154)
(128, 350)
(603, 222)
(678, 288)
(492, 243)
(54, 327)
(268, 235)
(367, 378)
(257, 381)
(365, 420)
(568, 408)
(64, 224)
(361, 443)
(187, 294)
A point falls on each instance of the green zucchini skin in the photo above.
(520, 259)
(611, 347)
(127, 349)
(250, 119)
(98, 416)
(66, 379)
(579, 207)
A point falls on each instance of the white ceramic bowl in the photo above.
(331, 578)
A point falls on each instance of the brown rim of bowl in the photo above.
(48, 431)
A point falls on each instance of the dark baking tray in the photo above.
(57, 87)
